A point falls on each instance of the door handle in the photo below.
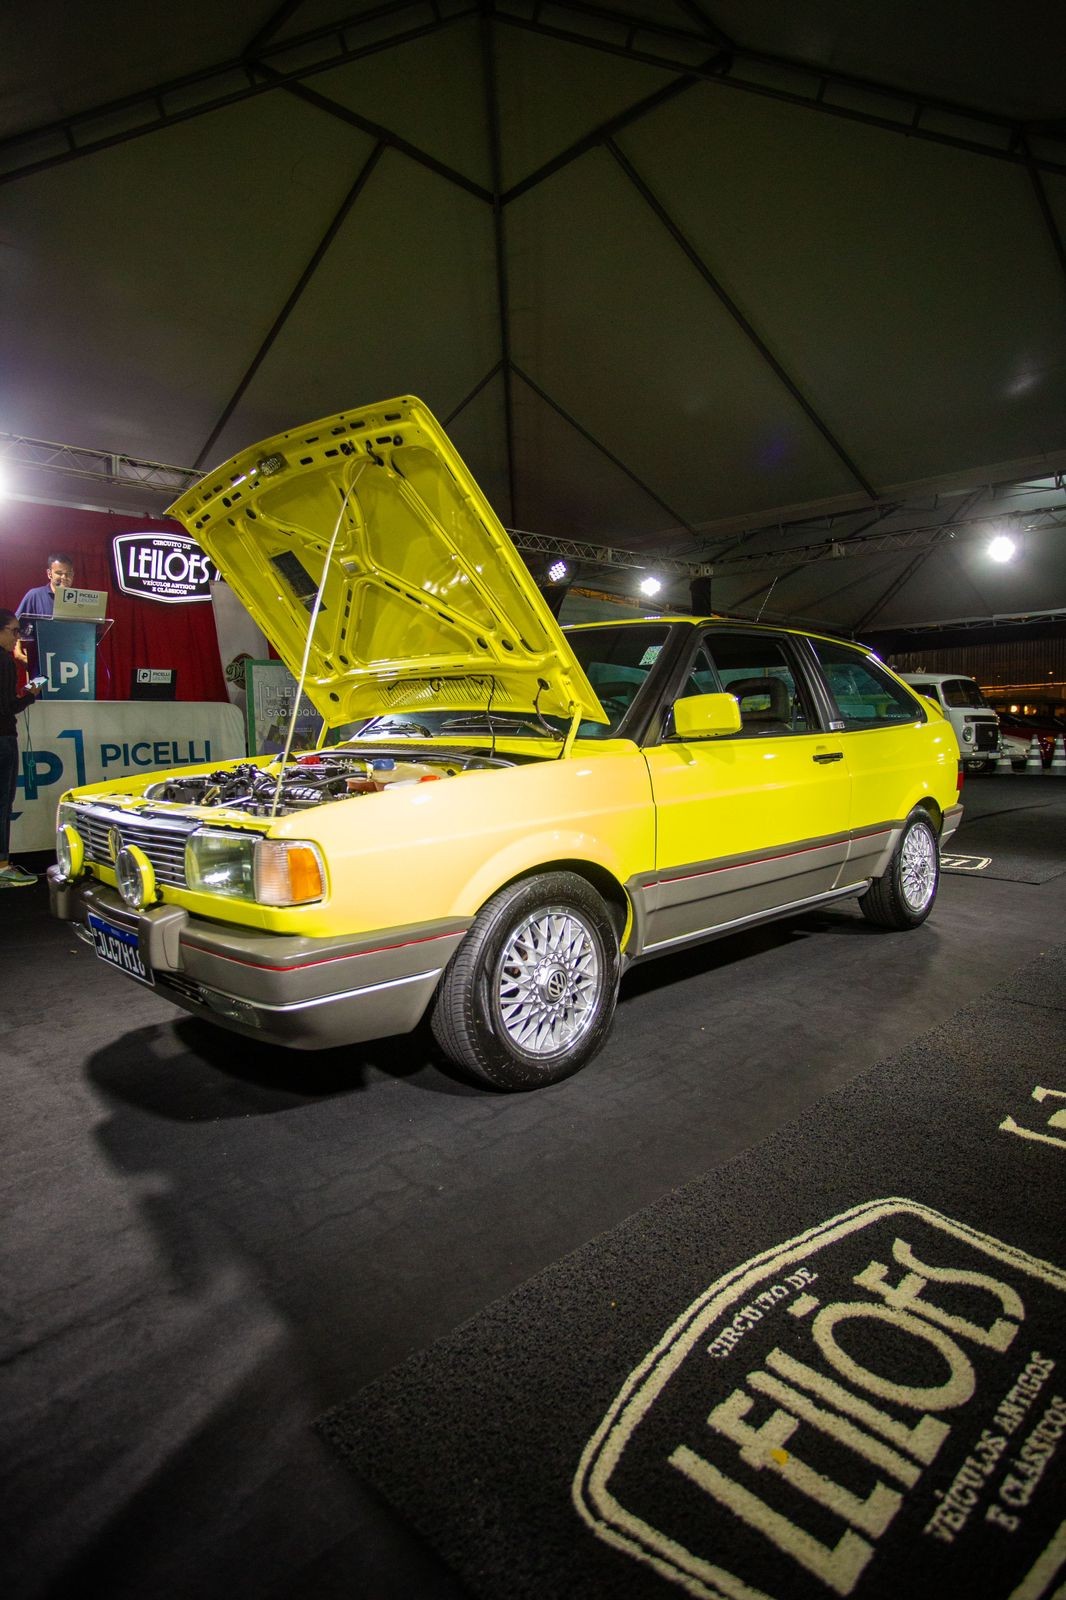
(826, 756)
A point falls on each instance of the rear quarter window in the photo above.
(866, 696)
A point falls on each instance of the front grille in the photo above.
(986, 735)
(162, 842)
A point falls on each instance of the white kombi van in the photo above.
(960, 699)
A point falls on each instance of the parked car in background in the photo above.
(960, 699)
(531, 810)
(1023, 729)
(1014, 748)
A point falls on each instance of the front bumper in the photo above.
(308, 994)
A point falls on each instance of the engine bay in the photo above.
(313, 779)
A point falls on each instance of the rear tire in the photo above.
(529, 996)
(904, 896)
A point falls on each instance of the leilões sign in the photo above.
(162, 566)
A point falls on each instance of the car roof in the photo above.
(936, 677)
(749, 624)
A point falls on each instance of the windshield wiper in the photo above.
(498, 725)
(397, 728)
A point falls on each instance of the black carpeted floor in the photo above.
(1013, 841)
(206, 1245)
(594, 1433)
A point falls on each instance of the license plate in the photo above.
(119, 948)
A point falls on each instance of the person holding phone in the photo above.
(11, 703)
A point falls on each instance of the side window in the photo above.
(928, 689)
(701, 679)
(865, 694)
(756, 668)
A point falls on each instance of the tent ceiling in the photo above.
(677, 273)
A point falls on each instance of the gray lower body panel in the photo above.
(712, 898)
(308, 994)
(681, 906)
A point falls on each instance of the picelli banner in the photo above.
(62, 744)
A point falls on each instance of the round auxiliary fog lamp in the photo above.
(70, 851)
(135, 877)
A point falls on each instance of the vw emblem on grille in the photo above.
(114, 842)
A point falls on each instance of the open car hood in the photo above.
(426, 604)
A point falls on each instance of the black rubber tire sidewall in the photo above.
(884, 904)
(464, 1016)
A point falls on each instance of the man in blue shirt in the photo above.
(40, 602)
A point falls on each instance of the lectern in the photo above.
(66, 657)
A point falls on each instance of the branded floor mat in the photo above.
(1014, 845)
(836, 1366)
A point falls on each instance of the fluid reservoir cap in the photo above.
(383, 764)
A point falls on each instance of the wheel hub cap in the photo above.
(552, 984)
(547, 982)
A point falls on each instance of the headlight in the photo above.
(275, 872)
(967, 733)
(70, 848)
(135, 877)
(221, 863)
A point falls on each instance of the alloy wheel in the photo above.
(547, 982)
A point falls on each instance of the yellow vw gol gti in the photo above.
(523, 811)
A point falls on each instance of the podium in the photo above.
(66, 657)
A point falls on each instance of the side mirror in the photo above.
(706, 716)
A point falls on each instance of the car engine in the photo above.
(311, 780)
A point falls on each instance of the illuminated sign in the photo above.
(163, 566)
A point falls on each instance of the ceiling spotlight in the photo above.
(558, 571)
(1002, 548)
(650, 586)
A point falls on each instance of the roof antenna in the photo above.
(766, 597)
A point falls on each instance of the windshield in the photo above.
(616, 662)
(963, 692)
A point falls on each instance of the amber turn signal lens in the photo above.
(287, 874)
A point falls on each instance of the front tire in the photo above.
(904, 896)
(529, 996)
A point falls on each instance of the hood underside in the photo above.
(425, 602)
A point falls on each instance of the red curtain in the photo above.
(146, 633)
